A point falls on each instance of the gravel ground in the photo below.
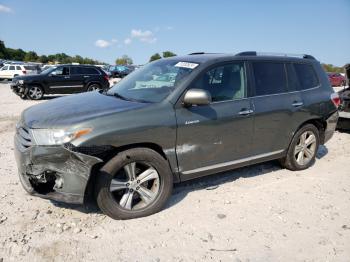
(258, 213)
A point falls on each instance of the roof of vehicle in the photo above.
(201, 57)
(77, 65)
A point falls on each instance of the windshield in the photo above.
(48, 70)
(153, 82)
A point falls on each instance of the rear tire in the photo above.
(303, 149)
(93, 87)
(121, 197)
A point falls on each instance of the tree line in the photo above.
(62, 58)
(127, 60)
(31, 56)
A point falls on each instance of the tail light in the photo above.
(24, 72)
(106, 77)
(335, 99)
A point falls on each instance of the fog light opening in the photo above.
(45, 182)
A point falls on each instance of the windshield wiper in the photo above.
(117, 95)
(120, 96)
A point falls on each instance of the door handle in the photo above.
(66, 77)
(245, 112)
(86, 76)
(296, 104)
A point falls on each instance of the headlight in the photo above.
(49, 137)
(21, 82)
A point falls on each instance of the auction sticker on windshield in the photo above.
(186, 65)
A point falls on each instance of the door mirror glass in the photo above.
(197, 97)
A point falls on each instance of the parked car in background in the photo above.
(119, 71)
(9, 71)
(62, 79)
(336, 79)
(44, 67)
(212, 113)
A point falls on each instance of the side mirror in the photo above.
(197, 97)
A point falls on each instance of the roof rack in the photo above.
(254, 53)
(197, 53)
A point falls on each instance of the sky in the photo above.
(105, 30)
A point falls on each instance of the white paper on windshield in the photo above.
(186, 65)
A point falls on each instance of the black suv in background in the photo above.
(173, 120)
(62, 79)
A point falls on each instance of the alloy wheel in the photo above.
(35, 93)
(93, 87)
(305, 149)
(135, 186)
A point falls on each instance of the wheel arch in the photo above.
(319, 123)
(87, 84)
(89, 197)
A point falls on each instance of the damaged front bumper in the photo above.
(52, 172)
(18, 89)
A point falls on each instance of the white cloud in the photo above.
(104, 43)
(169, 28)
(127, 41)
(144, 36)
(5, 9)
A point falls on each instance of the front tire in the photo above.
(303, 149)
(135, 183)
(35, 92)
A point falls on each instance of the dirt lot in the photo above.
(258, 213)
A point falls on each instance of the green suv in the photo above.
(173, 120)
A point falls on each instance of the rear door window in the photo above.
(293, 83)
(76, 70)
(89, 71)
(12, 68)
(306, 75)
(270, 78)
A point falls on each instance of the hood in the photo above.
(74, 109)
(28, 77)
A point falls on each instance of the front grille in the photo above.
(23, 137)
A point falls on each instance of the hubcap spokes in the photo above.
(139, 188)
(35, 92)
(305, 150)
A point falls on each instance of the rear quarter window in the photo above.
(306, 76)
(270, 78)
(30, 68)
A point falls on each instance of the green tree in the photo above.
(155, 57)
(168, 54)
(124, 60)
(30, 56)
(3, 53)
(332, 68)
(43, 59)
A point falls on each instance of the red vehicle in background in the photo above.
(336, 79)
